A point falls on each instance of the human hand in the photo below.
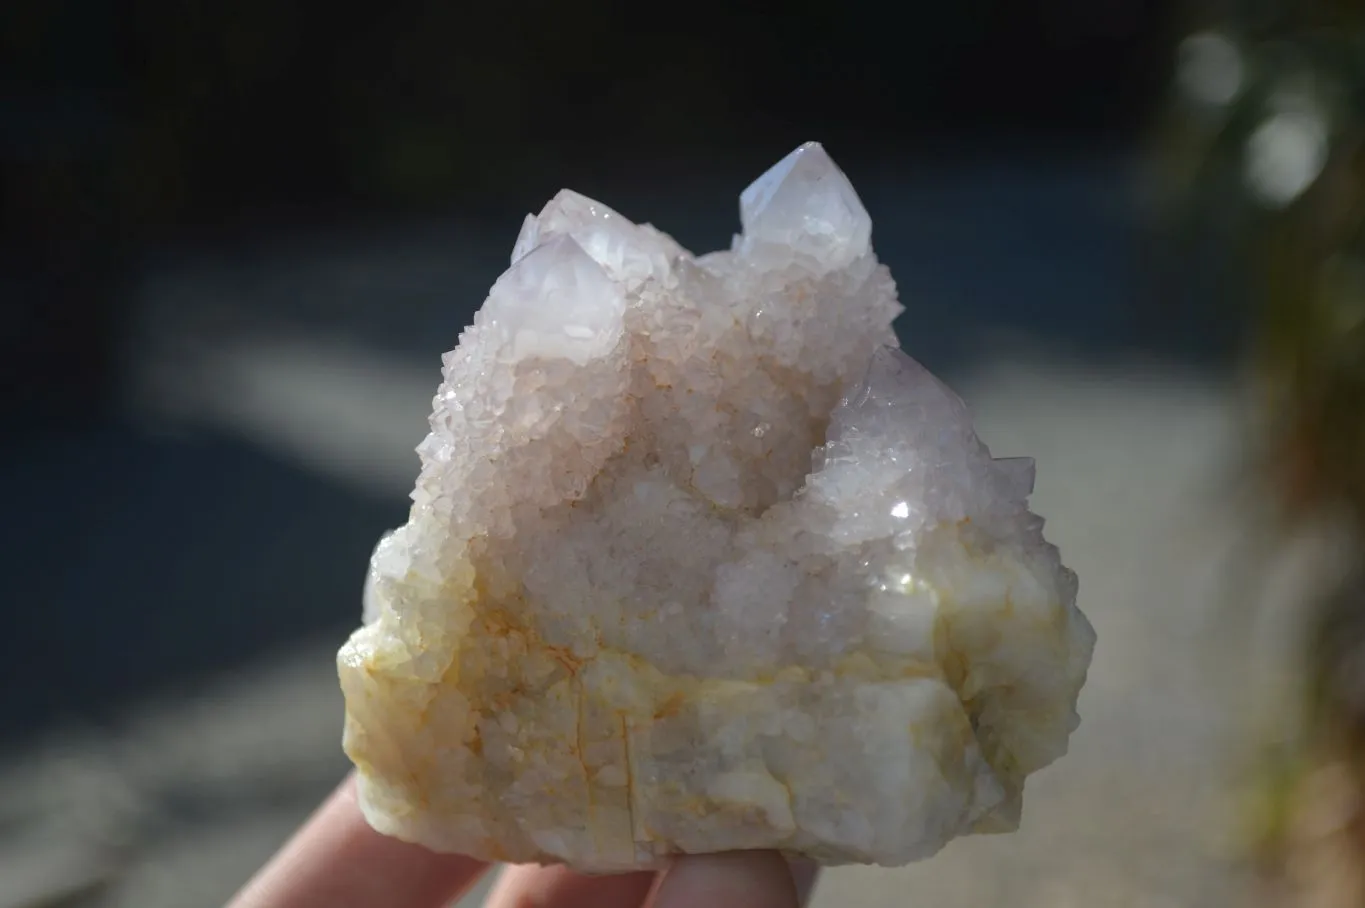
(337, 861)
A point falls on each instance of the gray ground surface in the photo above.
(187, 797)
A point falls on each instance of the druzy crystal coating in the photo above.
(698, 559)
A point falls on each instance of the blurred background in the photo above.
(237, 238)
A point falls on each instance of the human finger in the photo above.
(805, 874)
(336, 860)
(530, 886)
(742, 879)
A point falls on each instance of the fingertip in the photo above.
(805, 874)
(741, 879)
(529, 886)
(337, 861)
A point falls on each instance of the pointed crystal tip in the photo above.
(898, 393)
(625, 250)
(805, 201)
(570, 213)
(894, 377)
(557, 302)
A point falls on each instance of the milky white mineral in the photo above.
(698, 560)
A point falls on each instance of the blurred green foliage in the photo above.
(1263, 145)
(1262, 142)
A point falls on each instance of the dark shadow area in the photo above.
(359, 173)
(142, 561)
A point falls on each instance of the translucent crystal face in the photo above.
(698, 559)
(805, 204)
(556, 303)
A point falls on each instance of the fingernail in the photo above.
(743, 879)
(805, 873)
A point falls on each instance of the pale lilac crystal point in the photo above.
(805, 203)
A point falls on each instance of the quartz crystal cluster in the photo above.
(699, 560)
